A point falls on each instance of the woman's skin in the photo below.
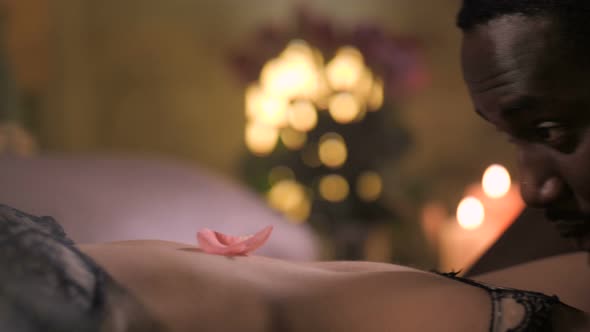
(567, 276)
(190, 290)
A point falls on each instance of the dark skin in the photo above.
(524, 78)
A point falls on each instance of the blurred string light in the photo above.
(294, 73)
(284, 104)
(265, 108)
(369, 186)
(260, 138)
(365, 85)
(376, 95)
(346, 69)
(496, 181)
(334, 188)
(332, 150)
(344, 107)
(289, 197)
(294, 86)
(302, 115)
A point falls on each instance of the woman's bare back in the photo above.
(189, 289)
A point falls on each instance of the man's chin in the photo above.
(583, 242)
(577, 231)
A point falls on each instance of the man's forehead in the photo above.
(527, 56)
(503, 45)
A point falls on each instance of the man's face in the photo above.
(525, 80)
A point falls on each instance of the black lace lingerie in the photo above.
(537, 307)
(46, 284)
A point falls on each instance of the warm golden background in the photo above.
(151, 77)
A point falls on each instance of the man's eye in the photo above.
(550, 132)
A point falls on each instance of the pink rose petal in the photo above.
(222, 244)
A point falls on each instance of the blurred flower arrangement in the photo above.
(321, 120)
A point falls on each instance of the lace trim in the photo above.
(45, 282)
(537, 306)
(13, 221)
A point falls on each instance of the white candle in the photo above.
(459, 248)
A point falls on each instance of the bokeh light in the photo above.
(369, 186)
(376, 97)
(293, 139)
(302, 115)
(345, 69)
(253, 100)
(286, 196)
(334, 188)
(286, 103)
(260, 139)
(364, 86)
(322, 98)
(299, 48)
(301, 212)
(470, 213)
(344, 107)
(332, 150)
(293, 74)
(496, 181)
(290, 198)
(271, 110)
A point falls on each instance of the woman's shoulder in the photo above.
(567, 276)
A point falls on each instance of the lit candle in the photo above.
(465, 237)
(488, 210)
(460, 246)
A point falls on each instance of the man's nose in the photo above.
(540, 182)
(542, 193)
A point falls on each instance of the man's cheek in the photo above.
(580, 187)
